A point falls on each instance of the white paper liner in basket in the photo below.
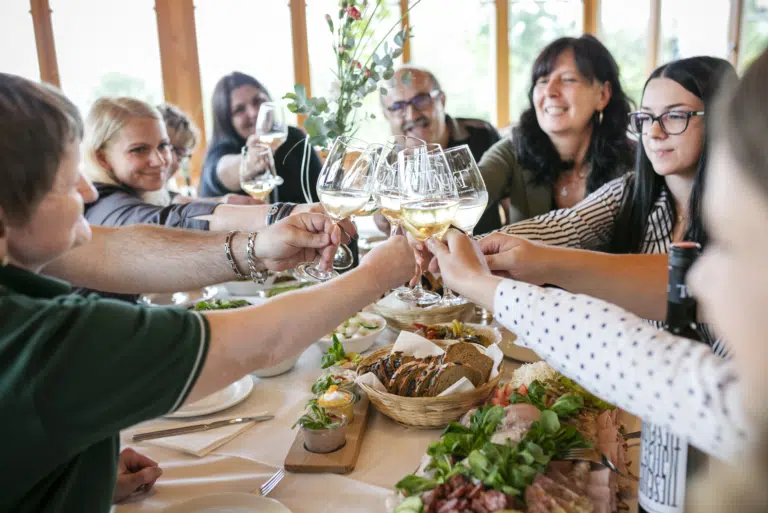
(419, 347)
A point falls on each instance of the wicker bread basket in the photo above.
(426, 412)
(404, 318)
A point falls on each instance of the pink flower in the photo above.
(342, 49)
(353, 12)
(357, 64)
(367, 73)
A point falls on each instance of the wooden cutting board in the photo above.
(342, 461)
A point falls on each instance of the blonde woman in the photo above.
(128, 157)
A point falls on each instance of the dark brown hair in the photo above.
(223, 129)
(37, 122)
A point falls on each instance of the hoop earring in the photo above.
(600, 118)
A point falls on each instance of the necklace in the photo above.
(564, 189)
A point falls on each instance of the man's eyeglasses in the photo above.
(419, 102)
(674, 122)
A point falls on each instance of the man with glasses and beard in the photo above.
(415, 105)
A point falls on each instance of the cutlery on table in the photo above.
(593, 456)
(162, 433)
(271, 483)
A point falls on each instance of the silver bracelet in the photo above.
(228, 251)
(257, 276)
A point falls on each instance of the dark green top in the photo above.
(75, 371)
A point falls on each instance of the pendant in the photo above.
(563, 191)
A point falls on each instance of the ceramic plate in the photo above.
(183, 299)
(221, 400)
(359, 344)
(229, 503)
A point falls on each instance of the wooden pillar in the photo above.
(502, 63)
(46, 47)
(301, 73)
(734, 31)
(181, 67)
(404, 23)
(654, 36)
(591, 19)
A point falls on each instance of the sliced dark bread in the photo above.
(469, 354)
(397, 378)
(449, 374)
(409, 386)
(425, 380)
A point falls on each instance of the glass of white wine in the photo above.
(271, 127)
(343, 187)
(258, 176)
(473, 198)
(428, 203)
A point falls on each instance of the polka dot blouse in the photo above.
(669, 381)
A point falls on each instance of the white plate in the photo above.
(221, 400)
(183, 299)
(360, 344)
(229, 503)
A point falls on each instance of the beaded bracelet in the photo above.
(228, 251)
(257, 276)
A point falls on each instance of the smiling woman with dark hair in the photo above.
(573, 137)
(236, 101)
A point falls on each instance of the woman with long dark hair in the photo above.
(573, 137)
(237, 98)
(631, 217)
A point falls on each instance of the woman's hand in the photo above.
(515, 257)
(273, 145)
(463, 267)
(392, 262)
(299, 238)
(135, 473)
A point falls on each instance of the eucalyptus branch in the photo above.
(399, 22)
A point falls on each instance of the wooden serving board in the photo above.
(342, 461)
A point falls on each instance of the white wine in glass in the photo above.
(344, 187)
(470, 211)
(258, 176)
(368, 209)
(428, 218)
(271, 128)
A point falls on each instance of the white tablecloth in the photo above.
(389, 452)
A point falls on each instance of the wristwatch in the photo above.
(273, 210)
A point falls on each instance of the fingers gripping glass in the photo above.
(419, 102)
(258, 176)
(344, 186)
(674, 122)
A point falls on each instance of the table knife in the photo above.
(151, 435)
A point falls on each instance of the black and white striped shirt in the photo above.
(590, 225)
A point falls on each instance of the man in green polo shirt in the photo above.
(75, 371)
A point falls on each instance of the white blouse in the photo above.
(670, 381)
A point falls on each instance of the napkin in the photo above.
(200, 443)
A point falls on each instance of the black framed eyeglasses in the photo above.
(419, 102)
(674, 122)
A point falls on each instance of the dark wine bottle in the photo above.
(668, 463)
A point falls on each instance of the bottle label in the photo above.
(663, 459)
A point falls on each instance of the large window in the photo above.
(754, 31)
(322, 61)
(690, 28)
(107, 48)
(532, 25)
(247, 36)
(624, 30)
(457, 42)
(17, 33)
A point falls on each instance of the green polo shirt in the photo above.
(74, 371)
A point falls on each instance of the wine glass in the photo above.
(473, 198)
(271, 127)
(258, 176)
(343, 187)
(428, 203)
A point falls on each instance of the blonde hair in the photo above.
(179, 126)
(105, 120)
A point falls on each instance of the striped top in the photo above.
(590, 225)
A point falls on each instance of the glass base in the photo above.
(419, 296)
(453, 300)
(309, 271)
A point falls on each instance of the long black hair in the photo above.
(223, 130)
(701, 76)
(610, 150)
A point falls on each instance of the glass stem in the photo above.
(418, 289)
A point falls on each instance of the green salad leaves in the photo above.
(564, 406)
(220, 304)
(336, 355)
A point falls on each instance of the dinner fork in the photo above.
(592, 455)
(270, 484)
